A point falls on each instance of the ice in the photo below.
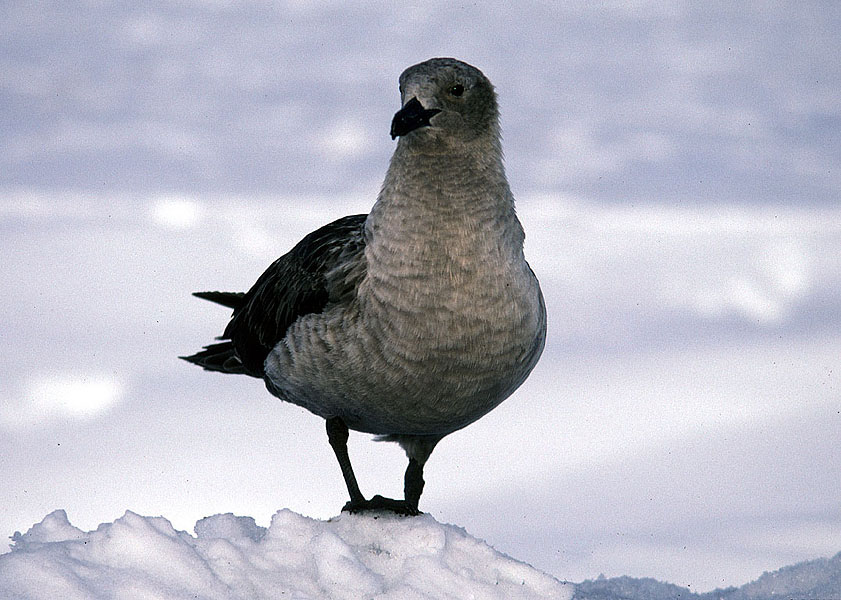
(348, 557)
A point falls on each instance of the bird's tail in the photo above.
(218, 357)
(230, 299)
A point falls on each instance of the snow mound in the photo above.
(348, 557)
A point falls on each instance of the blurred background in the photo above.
(677, 172)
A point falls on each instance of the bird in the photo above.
(416, 319)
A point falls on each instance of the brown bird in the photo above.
(414, 320)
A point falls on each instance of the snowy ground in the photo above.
(348, 557)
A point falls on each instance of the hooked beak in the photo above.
(412, 116)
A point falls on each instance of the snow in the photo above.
(348, 557)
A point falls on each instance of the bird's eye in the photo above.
(457, 90)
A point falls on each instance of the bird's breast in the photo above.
(435, 337)
(464, 320)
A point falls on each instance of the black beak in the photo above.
(410, 117)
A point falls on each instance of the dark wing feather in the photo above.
(325, 266)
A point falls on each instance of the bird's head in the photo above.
(445, 101)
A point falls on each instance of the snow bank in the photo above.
(348, 557)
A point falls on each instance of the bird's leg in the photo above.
(413, 483)
(337, 433)
(412, 488)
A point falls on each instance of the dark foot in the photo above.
(400, 507)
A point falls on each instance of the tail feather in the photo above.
(230, 299)
(218, 357)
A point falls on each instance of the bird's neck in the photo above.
(436, 207)
(455, 184)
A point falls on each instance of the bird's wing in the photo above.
(324, 267)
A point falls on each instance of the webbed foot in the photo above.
(400, 507)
